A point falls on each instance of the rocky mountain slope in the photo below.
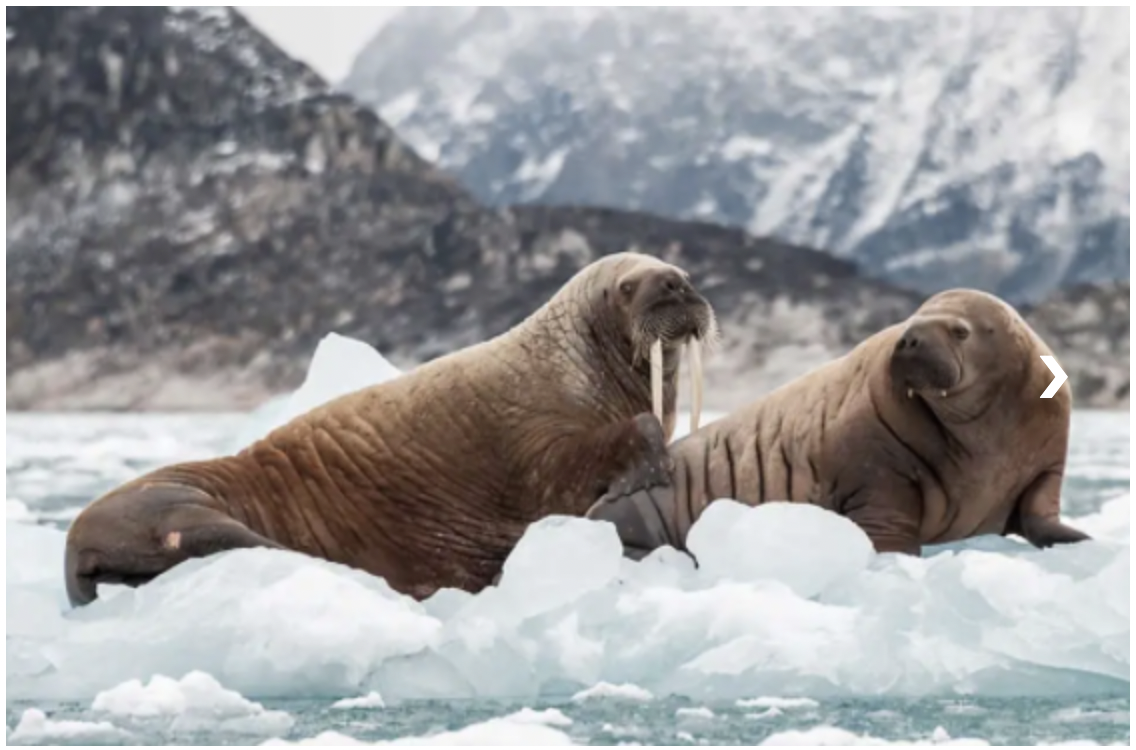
(939, 147)
(189, 211)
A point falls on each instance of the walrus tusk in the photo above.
(911, 393)
(694, 357)
(657, 379)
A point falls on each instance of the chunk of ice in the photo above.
(773, 701)
(525, 727)
(557, 561)
(370, 700)
(624, 692)
(35, 728)
(15, 510)
(807, 548)
(824, 736)
(571, 612)
(698, 712)
(193, 703)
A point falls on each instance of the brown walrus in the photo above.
(930, 431)
(431, 478)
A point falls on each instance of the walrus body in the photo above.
(430, 479)
(930, 431)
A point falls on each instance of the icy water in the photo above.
(995, 643)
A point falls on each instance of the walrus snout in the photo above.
(667, 313)
(925, 357)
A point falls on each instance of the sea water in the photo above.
(989, 641)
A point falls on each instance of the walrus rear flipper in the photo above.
(134, 535)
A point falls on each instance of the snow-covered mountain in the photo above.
(986, 147)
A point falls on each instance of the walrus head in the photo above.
(663, 312)
(956, 350)
(637, 314)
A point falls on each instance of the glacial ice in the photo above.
(787, 601)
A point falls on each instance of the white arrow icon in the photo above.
(1059, 376)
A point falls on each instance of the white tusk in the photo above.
(657, 379)
(694, 357)
(943, 394)
(911, 393)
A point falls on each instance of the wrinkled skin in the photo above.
(430, 479)
(930, 431)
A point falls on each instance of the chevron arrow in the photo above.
(1059, 376)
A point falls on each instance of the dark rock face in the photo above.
(190, 211)
(937, 147)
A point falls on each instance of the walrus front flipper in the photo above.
(137, 533)
(640, 500)
(640, 519)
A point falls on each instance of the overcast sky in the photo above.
(325, 38)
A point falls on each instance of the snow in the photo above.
(195, 702)
(837, 127)
(537, 175)
(370, 700)
(787, 601)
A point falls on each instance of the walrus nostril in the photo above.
(909, 340)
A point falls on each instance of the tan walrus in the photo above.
(930, 431)
(431, 478)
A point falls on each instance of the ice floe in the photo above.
(788, 600)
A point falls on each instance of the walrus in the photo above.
(429, 480)
(930, 431)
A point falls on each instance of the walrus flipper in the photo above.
(639, 520)
(1046, 532)
(133, 536)
(1037, 518)
(640, 501)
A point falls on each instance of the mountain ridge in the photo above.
(936, 147)
(190, 260)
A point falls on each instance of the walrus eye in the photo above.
(960, 332)
(627, 288)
